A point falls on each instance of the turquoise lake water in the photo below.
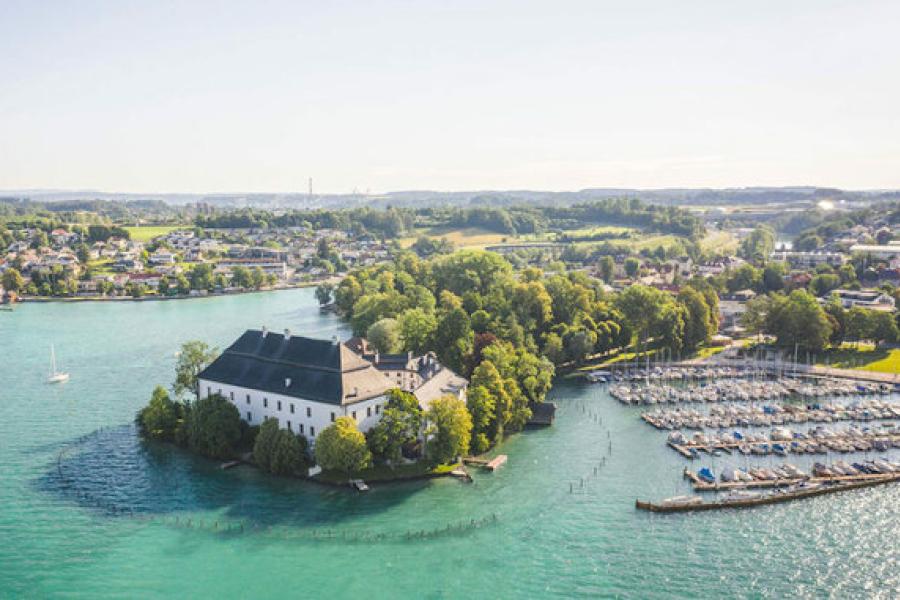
(88, 511)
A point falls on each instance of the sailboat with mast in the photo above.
(55, 376)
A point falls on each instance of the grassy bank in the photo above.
(384, 473)
(145, 233)
(866, 357)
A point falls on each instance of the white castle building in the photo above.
(307, 383)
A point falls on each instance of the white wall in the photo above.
(319, 413)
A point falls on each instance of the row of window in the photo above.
(312, 430)
(278, 407)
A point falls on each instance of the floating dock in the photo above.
(496, 462)
(764, 500)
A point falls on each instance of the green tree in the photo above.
(607, 268)
(160, 417)
(163, 287)
(631, 266)
(451, 429)
(182, 284)
(279, 451)
(773, 277)
(482, 408)
(697, 326)
(384, 335)
(883, 328)
(13, 280)
(213, 427)
(821, 284)
(453, 338)
(193, 358)
(417, 328)
(342, 447)
(400, 423)
(324, 293)
(758, 245)
(240, 277)
(798, 319)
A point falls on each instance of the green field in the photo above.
(467, 237)
(866, 357)
(719, 241)
(145, 233)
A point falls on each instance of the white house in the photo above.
(303, 382)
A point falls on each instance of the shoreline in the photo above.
(155, 298)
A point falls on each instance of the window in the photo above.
(377, 409)
(312, 431)
(301, 427)
(231, 396)
(220, 391)
(279, 405)
(332, 417)
(354, 415)
(249, 416)
(208, 392)
(292, 409)
(368, 411)
(308, 411)
(248, 398)
(265, 403)
(289, 426)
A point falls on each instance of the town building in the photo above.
(307, 383)
(808, 260)
(871, 299)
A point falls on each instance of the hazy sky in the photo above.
(258, 96)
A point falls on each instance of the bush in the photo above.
(159, 419)
(342, 447)
(213, 427)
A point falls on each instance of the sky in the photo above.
(203, 97)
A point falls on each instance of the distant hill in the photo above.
(420, 198)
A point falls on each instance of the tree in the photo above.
(384, 335)
(821, 284)
(858, 324)
(279, 451)
(773, 277)
(482, 408)
(193, 358)
(213, 427)
(417, 328)
(324, 293)
(798, 319)
(13, 280)
(183, 285)
(202, 277)
(631, 266)
(240, 277)
(883, 328)
(399, 425)
(453, 338)
(163, 287)
(342, 447)
(452, 429)
(160, 417)
(607, 268)
(698, 329)
(758, 245)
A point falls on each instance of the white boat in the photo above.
(55, 376)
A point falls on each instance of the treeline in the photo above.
(512, 220)
(798, 319)
(506, 332)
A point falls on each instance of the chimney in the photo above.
(287, 334)
(287, 382)
(264, 331)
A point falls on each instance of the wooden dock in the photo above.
(770, 499)
(497, 462)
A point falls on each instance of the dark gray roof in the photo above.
(319, 370)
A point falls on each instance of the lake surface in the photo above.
(88, 511)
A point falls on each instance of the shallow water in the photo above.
(88, 511)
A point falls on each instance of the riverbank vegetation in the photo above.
(509, 331)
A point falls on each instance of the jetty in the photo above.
(490, 465)
(775, 498)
